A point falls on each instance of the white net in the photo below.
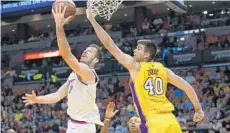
(103, 8)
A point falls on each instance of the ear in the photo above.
(96, 60)
(147, 55)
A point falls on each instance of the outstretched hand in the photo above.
(30, 98)
(59, 15)
(89, 15)
(110, 113)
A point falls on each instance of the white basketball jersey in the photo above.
(81, 100)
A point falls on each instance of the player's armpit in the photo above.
(81, 69)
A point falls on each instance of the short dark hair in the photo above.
(150, 47)
(99, 51)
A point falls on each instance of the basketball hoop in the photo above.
(103, 8)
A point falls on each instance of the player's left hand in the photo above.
(109, 113)
(59, 15)
(198, 116)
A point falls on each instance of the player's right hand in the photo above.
(30, 98)
(59, 15)
(109, 113)
(198, 116)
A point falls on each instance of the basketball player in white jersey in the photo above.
(80, 87)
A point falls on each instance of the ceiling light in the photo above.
(190, 5)
(13, 30)
(202, 29)
(213, 2)
(205, 12)
(211, 14)
(48, 25)
(125, 14)
(168, 9)
(182, 39)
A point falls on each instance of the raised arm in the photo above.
(188, 89)
(125, 59)
(80, 69)
(109, 114)
(46, 99)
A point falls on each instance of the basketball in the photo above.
(70, 10)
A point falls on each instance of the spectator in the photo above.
(18, 116)
(189, 78)
(212, 86)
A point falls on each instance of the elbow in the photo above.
(56, 98)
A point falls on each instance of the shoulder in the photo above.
(148, 65)
(145, 64)
(170, 73)
(158, 64)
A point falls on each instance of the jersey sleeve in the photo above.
(71, 77)
(96, 76)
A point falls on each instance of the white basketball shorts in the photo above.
(80, 128)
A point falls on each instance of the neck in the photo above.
(91, 66)
(147, 60)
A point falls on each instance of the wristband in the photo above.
(107, 119)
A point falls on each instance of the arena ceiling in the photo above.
(124, 14)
